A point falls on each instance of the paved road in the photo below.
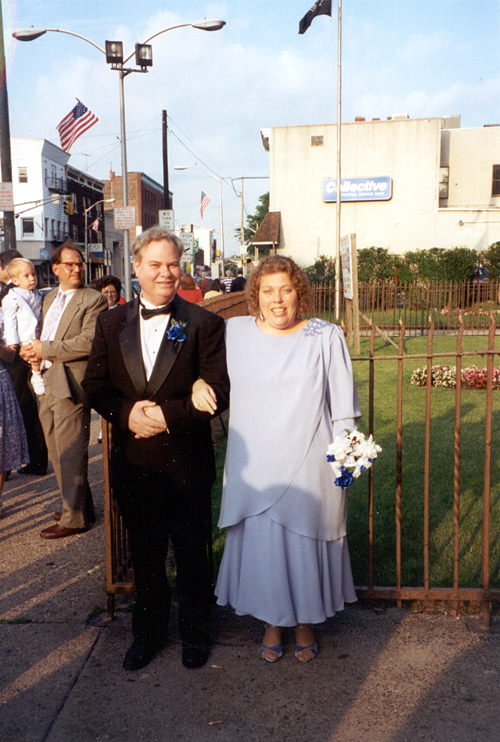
(386, 676)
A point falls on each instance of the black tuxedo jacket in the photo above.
(115, 379)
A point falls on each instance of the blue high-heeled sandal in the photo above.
(313, 648)
(277, 650)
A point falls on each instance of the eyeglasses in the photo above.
(111, 292)
(72, 266)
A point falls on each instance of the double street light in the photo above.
(214, 177)
(114, 56)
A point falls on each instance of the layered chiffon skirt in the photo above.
(282, 577)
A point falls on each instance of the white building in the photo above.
(39, 187)
(407, 184)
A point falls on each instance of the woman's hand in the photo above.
(203, 397)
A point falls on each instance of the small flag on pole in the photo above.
(205, 200)
(75, 124)
(95, 225)
(321, 7)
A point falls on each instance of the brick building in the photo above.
(144, 194)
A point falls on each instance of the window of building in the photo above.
(23, 174)
(74, 232)
(28, 226)
(444, 178)
(495, 187)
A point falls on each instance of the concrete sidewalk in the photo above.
(385, 676)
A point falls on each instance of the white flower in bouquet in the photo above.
(339, 448)
(350, 455)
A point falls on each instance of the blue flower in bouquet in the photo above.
(345, 480)
(177, 331)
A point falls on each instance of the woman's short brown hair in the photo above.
(278, 264)
(188, 282)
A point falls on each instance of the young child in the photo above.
(22, 312)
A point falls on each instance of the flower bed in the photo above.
(446, 377)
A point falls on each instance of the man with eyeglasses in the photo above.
(69, 320)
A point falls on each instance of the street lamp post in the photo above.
(221, 214)
(114, 56)
(102, 201)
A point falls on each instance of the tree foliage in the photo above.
(322, 271)
(253, 222)
(490, 259)
(435, 264)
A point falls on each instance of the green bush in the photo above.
(490, 258)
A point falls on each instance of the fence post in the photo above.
(399, 457)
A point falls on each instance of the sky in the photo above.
(421, 57)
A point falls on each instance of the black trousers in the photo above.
(19, 373)
(153, 512)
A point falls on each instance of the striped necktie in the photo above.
(52, 318)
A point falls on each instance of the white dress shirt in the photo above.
(152, 332)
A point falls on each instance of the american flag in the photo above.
(95, 225)
(75, 124)
(205, 200)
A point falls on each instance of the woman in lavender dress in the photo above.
(286, 559)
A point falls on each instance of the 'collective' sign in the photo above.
(358, 189)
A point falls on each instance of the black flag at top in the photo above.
(321, 7)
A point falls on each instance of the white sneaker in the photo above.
(37, 383)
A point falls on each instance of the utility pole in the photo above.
(166, 187)
(9, 224)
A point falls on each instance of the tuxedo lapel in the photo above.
(130, 347)
(169, 349)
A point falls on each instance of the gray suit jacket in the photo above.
(70, 349)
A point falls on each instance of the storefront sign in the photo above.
(358, 189)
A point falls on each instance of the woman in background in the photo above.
(214, 289)
(188, 289)
(13, 443)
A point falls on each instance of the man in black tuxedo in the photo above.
(145, 358)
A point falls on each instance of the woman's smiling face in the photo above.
(278, 301)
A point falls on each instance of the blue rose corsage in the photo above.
(177, 331)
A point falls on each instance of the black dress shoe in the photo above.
(37, 471)
(193, 657)
(139, 655)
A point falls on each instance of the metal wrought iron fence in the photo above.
(460, 530)
(415, 304)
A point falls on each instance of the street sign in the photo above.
(187, 239)
(124, 217)
(95, 248)
(6, 201)
(166, 219)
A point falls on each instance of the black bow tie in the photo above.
(148, 313)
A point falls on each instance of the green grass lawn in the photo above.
(441, 475)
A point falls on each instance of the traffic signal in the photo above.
(68, 207)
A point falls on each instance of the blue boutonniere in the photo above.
(177, 331)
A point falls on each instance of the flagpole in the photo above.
(339, 168)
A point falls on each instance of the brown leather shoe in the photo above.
(57, 516)
(58, 531)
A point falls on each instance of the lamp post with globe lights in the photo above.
(114, 56)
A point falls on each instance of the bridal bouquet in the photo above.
(350, 455)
